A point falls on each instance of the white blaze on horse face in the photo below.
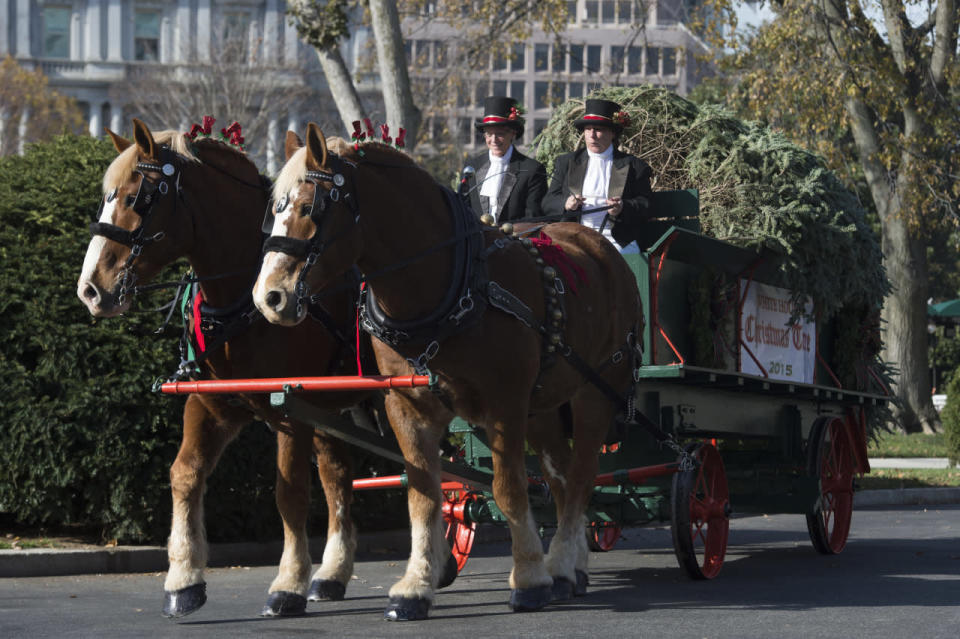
(97, 245)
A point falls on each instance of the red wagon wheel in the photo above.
(830, 459)
(602, 536)
(700, 513)
(460, 531)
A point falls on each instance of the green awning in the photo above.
(950, 308)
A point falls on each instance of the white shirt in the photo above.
(494, 179)
(595, 185)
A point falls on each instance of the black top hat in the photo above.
(502, 111)
(603, 113)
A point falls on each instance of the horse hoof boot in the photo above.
(180, 603)
(530, 599)
(562, 589)
(449, 572)
(326, 590)
(284, 604)
(580, 589)
(407, 609)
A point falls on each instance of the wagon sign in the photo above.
(785, 351)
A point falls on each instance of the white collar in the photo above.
(606, 155)
(505, 159)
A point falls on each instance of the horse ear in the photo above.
(316, 148)
(144, 139)
(120, 144)
(293, 143)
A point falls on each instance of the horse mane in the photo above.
(295, 170)
(126, 162)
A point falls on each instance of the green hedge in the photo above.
(950, 417)
(82, 439)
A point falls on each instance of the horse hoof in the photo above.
(562, 589)
(284, 604)
(326, 590)
(180, 603)
(407, 609)
(530, 599)
(449, 572)
(580, 589)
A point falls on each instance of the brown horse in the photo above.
(508, 340)
(166, 198)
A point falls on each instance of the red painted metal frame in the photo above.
(280, 384)
(636, 475)
(655, 326)
(400, 481)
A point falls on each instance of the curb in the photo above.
(49, 562)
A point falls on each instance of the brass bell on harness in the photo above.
(506, 228)
(549, 273)
(557, 314)
(487, 219)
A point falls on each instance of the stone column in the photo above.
(76, 34)
(22, 47)
(116, 118)
(273, 146)
(96, 122)
(115, 35)
(203, 30)
(166, 39)
(291, 44)
(182, 49)
(4, 37)
(293, 122)
(22, 130)
(271, 33)
(92, 49)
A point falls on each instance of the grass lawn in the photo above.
(913, 445)
(909, 478)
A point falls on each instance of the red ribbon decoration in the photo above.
(385, 134)
(201, 343)
(553, 255)
(399, 141)
(208, 121)
(369, 125)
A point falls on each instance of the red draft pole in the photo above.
(283, 384)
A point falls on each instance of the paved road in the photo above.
(899, 577)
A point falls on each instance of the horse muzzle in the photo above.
(100, 302)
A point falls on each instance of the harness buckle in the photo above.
(617, 357)
(466, 305)
(558, 284)
(311, 259)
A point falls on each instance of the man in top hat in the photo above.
(601, 177)
(510, 184)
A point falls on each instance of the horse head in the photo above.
(132, 238)
(314, 230)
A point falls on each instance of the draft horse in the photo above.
(508, 339)
(166, 197)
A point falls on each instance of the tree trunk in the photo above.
(344, 93)
(905, 318)
(395, 82)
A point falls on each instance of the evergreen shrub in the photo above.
(950, 417)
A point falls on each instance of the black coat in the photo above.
(629, 180)
(521, 191)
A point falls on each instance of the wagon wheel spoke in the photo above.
(700, 522)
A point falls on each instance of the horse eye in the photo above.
(130, 200)
(282, 204)
(111, 197)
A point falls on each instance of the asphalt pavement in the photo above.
(39, 562)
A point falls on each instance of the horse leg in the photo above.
(204, 439)
(287, 593)
(568, 555)
(418, 433)
(334, 465)
(529, 581)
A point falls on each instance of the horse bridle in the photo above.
(312, 248)
(142, 205)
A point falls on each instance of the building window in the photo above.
(653, 61)
(608, 10)
(576, 90)
(616, 60)
(464, 130)
(500, 88)
(440, 54)
(571, 11)
(236, 35)
(541, 57)
(576, 58)
(541, 95)
(146, 36)
(623, 11)
(635, 60)
(669, 61)
(593, 58)
(500, 61)
(558, 59)
(480, 94)
(517, 91)
(592, 11)
(538, 126)
(518, 60)
(56, 32)
(421, 54)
